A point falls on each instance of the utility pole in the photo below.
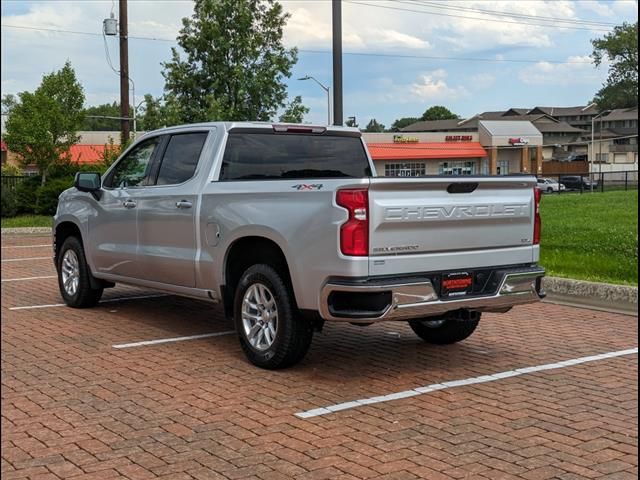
(336, 10)
(124, 73)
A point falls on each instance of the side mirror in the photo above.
(88, 182)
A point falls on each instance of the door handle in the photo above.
(184, 204)
(129, 204)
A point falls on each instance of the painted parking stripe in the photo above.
(24, 279)
(174, 339)
(26, 259)
(459, 383)
(29, 246)
(120, 299)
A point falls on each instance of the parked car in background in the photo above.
(550, 185)
(575, 182)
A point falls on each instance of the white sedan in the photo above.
(550, 185)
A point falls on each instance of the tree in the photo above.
(153, 115)
(8, 102)
(621, 48)
(438, 112)
(295, 111)
(234, 63)
(102, 124)
(42, 126)
(351, 122)
(403, 122)
(374, 126)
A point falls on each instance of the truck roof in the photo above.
(254, 125)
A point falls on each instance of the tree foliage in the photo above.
(234, 62)
(295, 111)
(42, 126)
(102, 124)
(152, 114)
(374, 126)
(403, 122)
(620, 47)
(351, 122)
(8, 102)
(438, 112)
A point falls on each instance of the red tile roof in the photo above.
(415, 151)
(86, 154)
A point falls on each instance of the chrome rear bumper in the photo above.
(417, 299)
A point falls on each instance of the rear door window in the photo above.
(258, 156)
(180, 158)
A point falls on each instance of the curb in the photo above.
(25, 230)
(598, 296)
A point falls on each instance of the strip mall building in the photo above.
(497, 148)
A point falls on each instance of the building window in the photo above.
(602, 157)
(503, 167)
(457, 168)
(405, 169)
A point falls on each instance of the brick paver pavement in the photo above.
(75, 407)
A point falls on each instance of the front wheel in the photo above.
(550, 190)
(450, 328)
(74, 276)
(272, 336)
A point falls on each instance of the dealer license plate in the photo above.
(456, 284)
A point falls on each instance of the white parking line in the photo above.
(29, 246)
(458, 383)
(120, 299)
(174, 339)
(26, 278)
(25, 259)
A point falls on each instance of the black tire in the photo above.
(550, 190)
(85, 296)
(293, 333)
(455, 327)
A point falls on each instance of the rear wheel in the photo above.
(74, 276)
(450, 328)
(272, 336)
(550, 190)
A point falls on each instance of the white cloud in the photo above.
(433, 86)
(579, 70)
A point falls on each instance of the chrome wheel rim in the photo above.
(259, 316)
(70, 272)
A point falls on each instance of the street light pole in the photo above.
(327, 90)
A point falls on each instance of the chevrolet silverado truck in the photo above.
(288, 226)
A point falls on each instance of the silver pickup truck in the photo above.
(288, 226)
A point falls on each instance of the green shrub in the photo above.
(26, 194)
(10, 170)
(8, 206)
(47, 196)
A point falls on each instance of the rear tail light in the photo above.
(354, 233)
(537, 222)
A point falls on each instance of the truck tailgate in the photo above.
(450, 222)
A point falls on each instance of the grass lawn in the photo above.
(591, 236)
(27, 221)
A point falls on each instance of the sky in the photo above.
(400, 57)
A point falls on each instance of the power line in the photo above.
(481, 19)
(364, 54)
(506, 14)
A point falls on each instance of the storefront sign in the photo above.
(518, 141)
(403, 139)
(458, 138)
